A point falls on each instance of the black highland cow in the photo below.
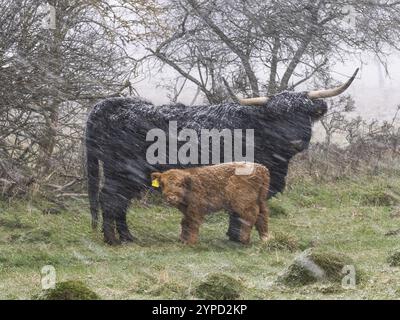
(116, 135)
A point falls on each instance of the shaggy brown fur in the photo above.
(199, 191)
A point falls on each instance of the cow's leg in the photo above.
(277, 179)
(108, 202)
(122, 226)
(235, 226)
(115, 198)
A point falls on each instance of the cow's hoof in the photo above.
(127, 238)
(112, 242)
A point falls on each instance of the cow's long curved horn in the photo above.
(254, 101)
(320, 94)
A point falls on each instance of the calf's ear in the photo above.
(156, 176)
(155, 179)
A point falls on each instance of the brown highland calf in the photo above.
(239, 188)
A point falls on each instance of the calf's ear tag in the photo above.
(155, 183)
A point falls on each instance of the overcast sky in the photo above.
(375, 93)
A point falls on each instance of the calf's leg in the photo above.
(190, 225)
(248, 220)
(262, 221)
(239, 198)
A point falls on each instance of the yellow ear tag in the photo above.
(155, 183)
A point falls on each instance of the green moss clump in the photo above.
(297, 275)
(69, 290)
(312, 266)
(378, 198)
(219, 286)
(282, 241)
(394, 259)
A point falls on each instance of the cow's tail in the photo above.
(93, 185)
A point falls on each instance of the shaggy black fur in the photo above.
(116, 135)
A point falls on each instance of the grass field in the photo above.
(350, 217)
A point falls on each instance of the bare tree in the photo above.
(335, 121)
(264, 47)
(49, 77)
